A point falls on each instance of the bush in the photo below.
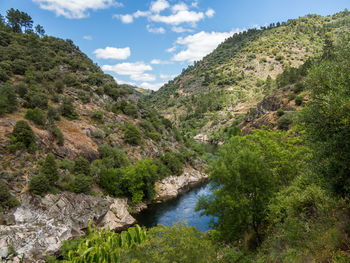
(146, 125)
(155, 136)
(37, 116)
(49, 169)
(59, 86)
(132, 134)
(173, 163)
(8, 99)
(285, 121)
(36, 99)
(299, 87)
(23, 136)
(39, 185)
(53, 114)
(67, 109)
(82, 184)
(81, 166)
(280, 112)
(84, 96)
(6, 199)
(299, 100)
(130, 110)
(97, 115)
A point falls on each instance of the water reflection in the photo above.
(177, 210)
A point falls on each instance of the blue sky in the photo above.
(146, 43)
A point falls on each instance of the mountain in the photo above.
(221, 88)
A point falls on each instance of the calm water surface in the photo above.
(178, 209)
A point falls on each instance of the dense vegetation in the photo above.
(278, 195)
(241, 71)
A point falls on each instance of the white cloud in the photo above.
(75, 8)
(179, 7)
(155, 30)
(151, 86)
(177, 18)
(126, 19)
(195, 4)
(112, 53)
(119, 81)
(160, 62)
(136, 71)
(210, 13)
(87, 37)
(143, 77)
(179, 29)
(139, 13)
(171, 49)
(165, 76)
(199, 45)
(159, 5)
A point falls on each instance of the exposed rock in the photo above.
(42, 224)
(118, 217)
(171, 186)
(201, 137)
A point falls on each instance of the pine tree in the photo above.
(49, 169)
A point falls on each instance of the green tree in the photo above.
(327, 117)
(81, 166)
(37, 116)
(23, 136)
(250, 169)
(132, 134)
(40, 30)
(67, 108)
(8, 99)
(82, 184)
(39, 185)
(49, 169)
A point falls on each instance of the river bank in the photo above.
(40, 225)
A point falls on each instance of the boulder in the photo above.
(41, 224)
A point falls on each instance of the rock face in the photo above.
(40, 225)
(171, 186)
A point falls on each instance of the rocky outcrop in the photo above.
(41, 224)
(171, 186)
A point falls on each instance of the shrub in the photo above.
(6, 199)
(84, 96)
(299, 100)
(59, 86)
(21, 89)
(37, 116)
(39, 185)
(82, 184)
(97, 115)
(130, 110)
(112, 157)
(81, 166)
(67, 109)
(8, 99)
(23, 136)
(49, 169)
(155, 136)
(280, 112)
(132, 134)
(53, 114)
(285, 121)
(172, 162)
(36, 99)
(146, 125)
(299, 87)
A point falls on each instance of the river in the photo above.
(179, 209)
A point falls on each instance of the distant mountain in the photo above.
(222, 87)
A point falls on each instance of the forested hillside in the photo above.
(221, 88)
(65, 125)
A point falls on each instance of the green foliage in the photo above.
(173, 163)
(97, 115)
(285, 121)
(6, 199)
(132, 134)
(22, 137)
(106, 246)
(299, 100)
(8, 99)
(37, 116)
(327, 116)
(81, 166)
(67, 108)
(82, 184)
(53, 114)
(249, 171)
(155, 136)
(39, 184)
(135, 181)
(280, 112)
(50, 169)
(172, 244)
